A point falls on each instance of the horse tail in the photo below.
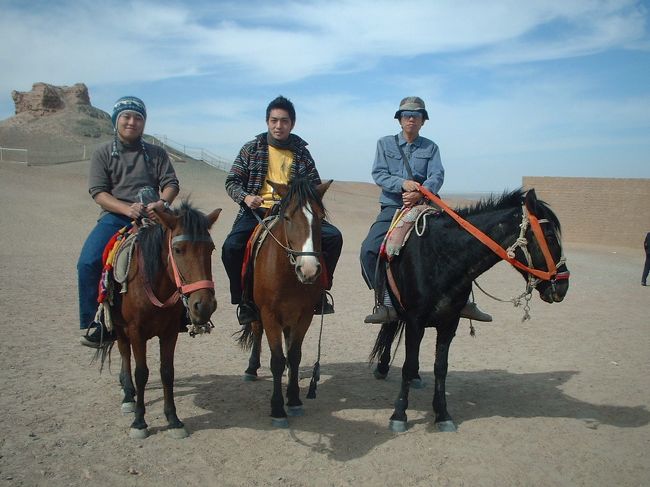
(246, 337)
(385, 338)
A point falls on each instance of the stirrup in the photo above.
(247, 313)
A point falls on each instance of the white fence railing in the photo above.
(13, 155)
(197, 153)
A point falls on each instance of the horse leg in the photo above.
(254, 360)
(278, 362)
(443, 420)
(294, 356)
(414, 334)
(167, 347)
(126, 380)
(139, 426)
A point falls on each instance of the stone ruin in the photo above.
(45, 99)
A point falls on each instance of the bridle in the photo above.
(183, 290)
(291, 253)
(535, 276)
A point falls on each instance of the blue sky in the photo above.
(513, 88)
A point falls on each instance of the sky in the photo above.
(513, 88)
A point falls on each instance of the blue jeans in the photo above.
(89, 265)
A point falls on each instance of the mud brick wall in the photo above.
(611, 212)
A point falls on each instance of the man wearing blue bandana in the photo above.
(399, 180)
(119, 169)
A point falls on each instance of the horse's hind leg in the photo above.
(294, 356)
(139, 426)
(126, 380)
(254, 361)
(414, 334)
(443, 420)
(278, 362)
(167, 347)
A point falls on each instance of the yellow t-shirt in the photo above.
(280, 161)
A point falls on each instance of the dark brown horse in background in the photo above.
(287, 285)
(173, 264)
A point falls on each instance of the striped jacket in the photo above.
(249, 170)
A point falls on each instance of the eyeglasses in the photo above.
(409, 114)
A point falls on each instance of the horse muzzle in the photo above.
(201, 305)
(307, 269)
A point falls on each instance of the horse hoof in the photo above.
(128, 407)
(249, 377)
(295, 411)
(178, 433)
(378, 375)
(138, 434)
(446, 426)
(417, 384)
(397, 426)
(280, 422)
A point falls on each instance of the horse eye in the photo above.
(178, 250)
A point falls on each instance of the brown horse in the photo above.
(173, 263)
(287, 285)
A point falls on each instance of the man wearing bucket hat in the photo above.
(119, 170)
(399, 181)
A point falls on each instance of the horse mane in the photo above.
(301, 191)
(509, 199)
(194, 224)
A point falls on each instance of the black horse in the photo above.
(434, 274)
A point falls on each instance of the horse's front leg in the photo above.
(139, 347)
(278, 362)
(414, 334)
(167, 347)
(254, 360)
(294, 356)
(443, 420)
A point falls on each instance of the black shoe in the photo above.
(98, 337)
(382, 314)
(643, 284)
(247, 313)
(324, 309)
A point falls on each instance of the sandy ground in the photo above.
(559, 400)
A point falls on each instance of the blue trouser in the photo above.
(89, 265)
(234, 248)
(370, 246)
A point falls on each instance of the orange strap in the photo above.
(495, 247)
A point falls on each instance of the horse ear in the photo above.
(281, 189)
(212, 217)
(321, 188)
(531, 200)
(167, 219)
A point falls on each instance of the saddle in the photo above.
(116, 260)
(404, 221)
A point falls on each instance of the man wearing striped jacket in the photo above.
(276, 155)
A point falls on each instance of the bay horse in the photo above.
(287, 284)
(173, 263)
(434, 274)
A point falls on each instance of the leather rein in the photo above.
(552, 275)
(182, 289)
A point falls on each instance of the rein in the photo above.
(292, 254)
(181, 289)
(551, 274)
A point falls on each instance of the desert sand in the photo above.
(560, 400)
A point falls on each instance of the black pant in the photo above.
(646, 268)
(234, 248)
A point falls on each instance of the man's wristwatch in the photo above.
(166, 205)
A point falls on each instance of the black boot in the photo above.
(324, 307)
(247, 313)
(97, 336)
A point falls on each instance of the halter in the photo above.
(534, 275)
(291, 254)
(182, 290)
